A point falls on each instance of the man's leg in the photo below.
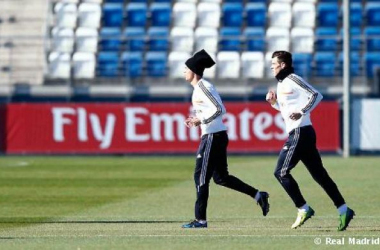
(313, 162)
(202, 180)
(221, 176)
(287, 160)
(202, 176)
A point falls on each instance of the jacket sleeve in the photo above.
(313, 96)
(213, 100)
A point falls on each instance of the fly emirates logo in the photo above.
(139, 124)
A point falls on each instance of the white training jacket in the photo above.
(208, 107)
(294, 94)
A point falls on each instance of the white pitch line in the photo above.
(184, 236)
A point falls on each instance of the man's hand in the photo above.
(295, 116)
(192, 122)
(271, 97)
(187, 121)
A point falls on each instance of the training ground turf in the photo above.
(141, 203)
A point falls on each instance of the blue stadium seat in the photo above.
(156, 63)
(256, 14)
(356, 15)
(108, 64)
(325, 64)
(229, 39)
(136, 14)
(355, 33)
(138, 1)
(354, 66)
(232, 14)
(110, 39)
(158, 38)
(327, 14)
(162, 1)
(372, 11)
(132, 64)
(326, 39)
(302, 64)
(372, 63)
(135, 39)
(113, 15)
(255, 39)
(160, 14)
(372, 35)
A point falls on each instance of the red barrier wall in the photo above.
(149, 128)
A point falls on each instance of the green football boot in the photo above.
(345, 219)
(302, 217)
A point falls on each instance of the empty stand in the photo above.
(140, 38)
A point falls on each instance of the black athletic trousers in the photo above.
(212, 162)
(301, 145)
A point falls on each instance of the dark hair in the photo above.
(283, 56)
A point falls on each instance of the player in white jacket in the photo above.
(211, 161)
(295, 99)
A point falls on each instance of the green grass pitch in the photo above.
(141, 203)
